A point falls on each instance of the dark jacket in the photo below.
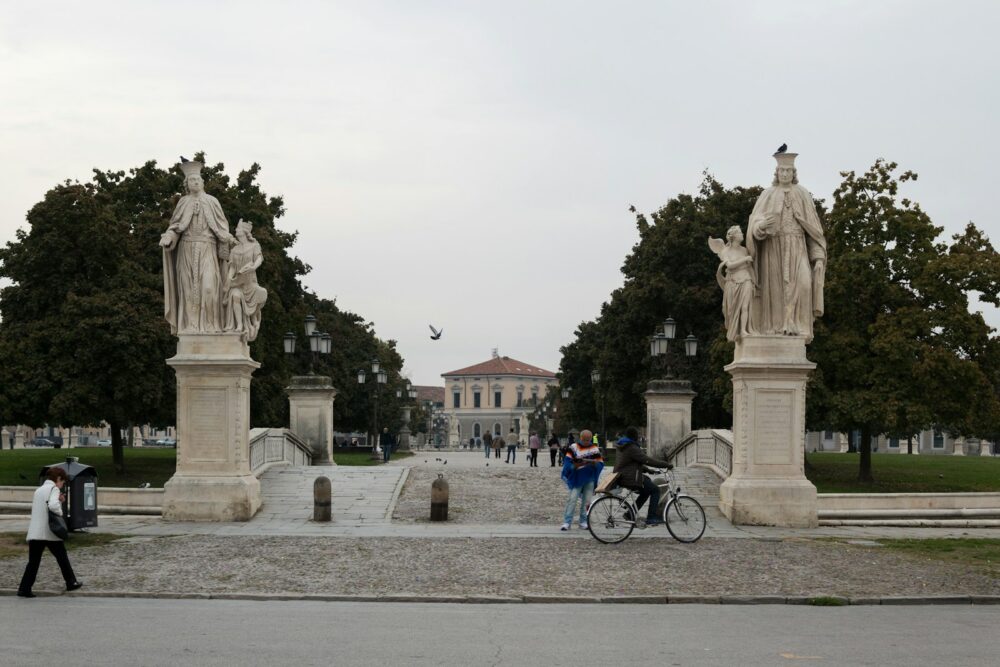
(631, 462)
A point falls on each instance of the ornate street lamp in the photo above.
(319, 343)
(659, 345)
(381, 378)
(595, 381)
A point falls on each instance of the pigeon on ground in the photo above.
(184, 159)
(631, 208)
(782, 148)
(436, 334)
(145, 485)
(22, 477)
(446, 461)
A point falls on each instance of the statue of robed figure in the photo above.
(785, 239)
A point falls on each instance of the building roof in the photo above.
(426, 393)
(503, 366)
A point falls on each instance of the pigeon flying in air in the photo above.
(783, 148)
(632, 208)
(184, 159)
(436, 334)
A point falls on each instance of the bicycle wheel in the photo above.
(607, 520)
(685, 519)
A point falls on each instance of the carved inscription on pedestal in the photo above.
(207, 423)
(773, 427)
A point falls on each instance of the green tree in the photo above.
(898, 350)
(82, 335)
(669, 273)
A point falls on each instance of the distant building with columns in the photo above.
(493, 396)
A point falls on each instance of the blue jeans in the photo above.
(512, 455)
(584, 494)
(487, 449)
(386, 453)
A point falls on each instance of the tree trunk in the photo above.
(909, 444)
(117, 447)
(865, 463)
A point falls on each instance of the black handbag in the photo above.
(58, 526)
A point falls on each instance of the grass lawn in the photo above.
(20, 467)
(903, 473)
(979, 552)
(13, 545)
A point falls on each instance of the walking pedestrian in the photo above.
(48, 498)
(534, 443)
(487, 443)
(511, 447)
(581, 469)
(498, 444)
(553, 449)
(387, 441)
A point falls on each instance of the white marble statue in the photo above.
(738, 281)
(195, 249)
(243, 298)
(785, 240)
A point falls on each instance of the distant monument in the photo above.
(212, 303)
(784, 264)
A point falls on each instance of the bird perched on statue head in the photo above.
(782, 148)
(184, 159)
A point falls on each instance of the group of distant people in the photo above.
(495, 443)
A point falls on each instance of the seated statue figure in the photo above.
(737, 282)
(243, 298)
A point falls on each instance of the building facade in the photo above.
(494, 396)
(932, 442)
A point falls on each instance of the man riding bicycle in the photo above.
(630, 464)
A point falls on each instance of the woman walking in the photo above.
(534, 443)
(498, 443)
(553, 449)
(48, 497)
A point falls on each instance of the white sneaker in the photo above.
(584, 526)
(565, 526)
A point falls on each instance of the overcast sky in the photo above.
(470, 164)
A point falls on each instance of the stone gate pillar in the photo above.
(404, 432)
(668, 414)
(213, 481)
(310, 408)
(768, 485)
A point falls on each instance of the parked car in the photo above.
(167, 442)
(104, 443)
(44, 442)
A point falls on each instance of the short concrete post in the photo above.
(322, 491)
(439, 499)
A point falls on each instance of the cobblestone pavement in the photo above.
(503, 567)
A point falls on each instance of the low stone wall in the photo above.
(908, 505)
(110, 500)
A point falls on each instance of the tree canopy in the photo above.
(82, 336)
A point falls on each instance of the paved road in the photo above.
(169, 632)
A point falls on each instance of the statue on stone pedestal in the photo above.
(738, 282)
(195, 250)
(785, 240)
(243, 298)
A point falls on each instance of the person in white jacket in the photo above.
(47, 497)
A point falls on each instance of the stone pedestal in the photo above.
(213, 481)
(5, 441)
(19, 437)
(768, 486)
(310, 409)
(668, 414)
(404, 433)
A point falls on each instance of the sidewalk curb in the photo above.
(536, 599)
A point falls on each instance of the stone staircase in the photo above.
(702, 484)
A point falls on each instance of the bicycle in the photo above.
(611, 518)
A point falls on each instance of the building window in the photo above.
(893, 443)
(477, 401)
(938, 439)
(520, 398)
(496, 399)
(456, 399)
(477, 430)
(496, 429)
(534, 397)
(828, 435)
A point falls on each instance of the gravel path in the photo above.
(497, 494)
(504, 566)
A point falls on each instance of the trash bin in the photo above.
(80, 508)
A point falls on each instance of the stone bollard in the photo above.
(321, 499)
(439, 499)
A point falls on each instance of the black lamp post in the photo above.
(595, 381)
(319, 343)
(659, 345)
(380, 377)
